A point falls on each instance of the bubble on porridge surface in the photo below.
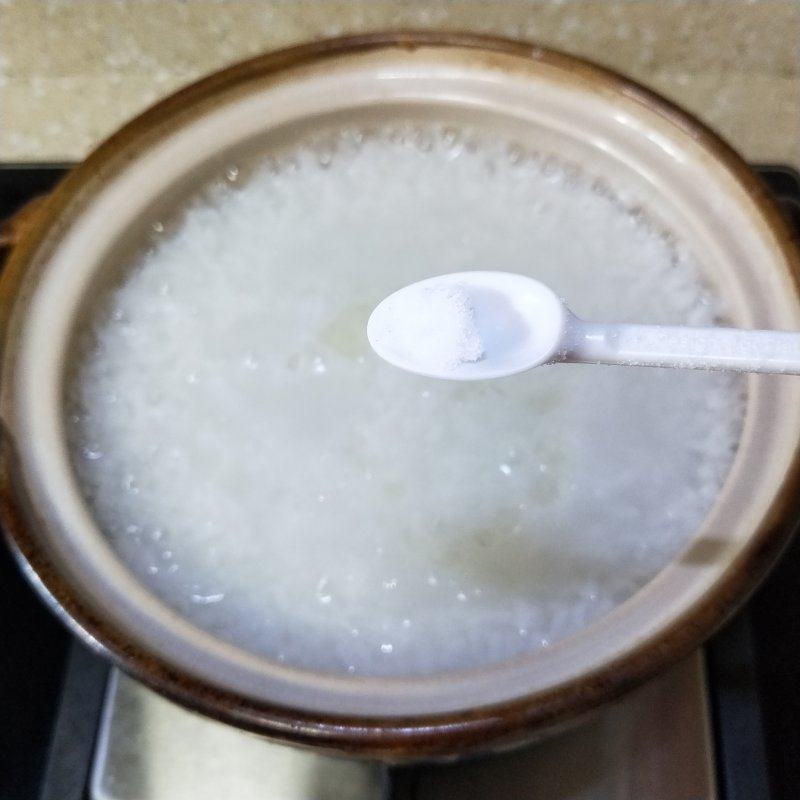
(323, 508)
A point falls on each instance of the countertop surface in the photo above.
(72, 71)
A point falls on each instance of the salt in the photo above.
(434, 326)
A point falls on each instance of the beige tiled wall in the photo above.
(73, 70)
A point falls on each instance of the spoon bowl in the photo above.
(521, 322)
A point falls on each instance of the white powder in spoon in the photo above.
(433, 326)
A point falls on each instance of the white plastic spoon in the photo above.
(520, 323)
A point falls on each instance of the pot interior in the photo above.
(546, 107)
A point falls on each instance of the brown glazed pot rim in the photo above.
(401, 738)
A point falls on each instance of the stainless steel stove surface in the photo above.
(150, 749)
(722, 724)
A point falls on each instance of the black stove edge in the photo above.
(71, 750)
(753, 663)
(783, 180)
(36, 649)
(19, 183)
(737, 724)
(746, 737)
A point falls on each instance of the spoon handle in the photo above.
(728, 349)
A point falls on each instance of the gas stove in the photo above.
(725, 723)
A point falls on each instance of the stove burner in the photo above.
(722, 724)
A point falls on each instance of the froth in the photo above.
(271, 478)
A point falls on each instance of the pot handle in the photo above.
(13, 228)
